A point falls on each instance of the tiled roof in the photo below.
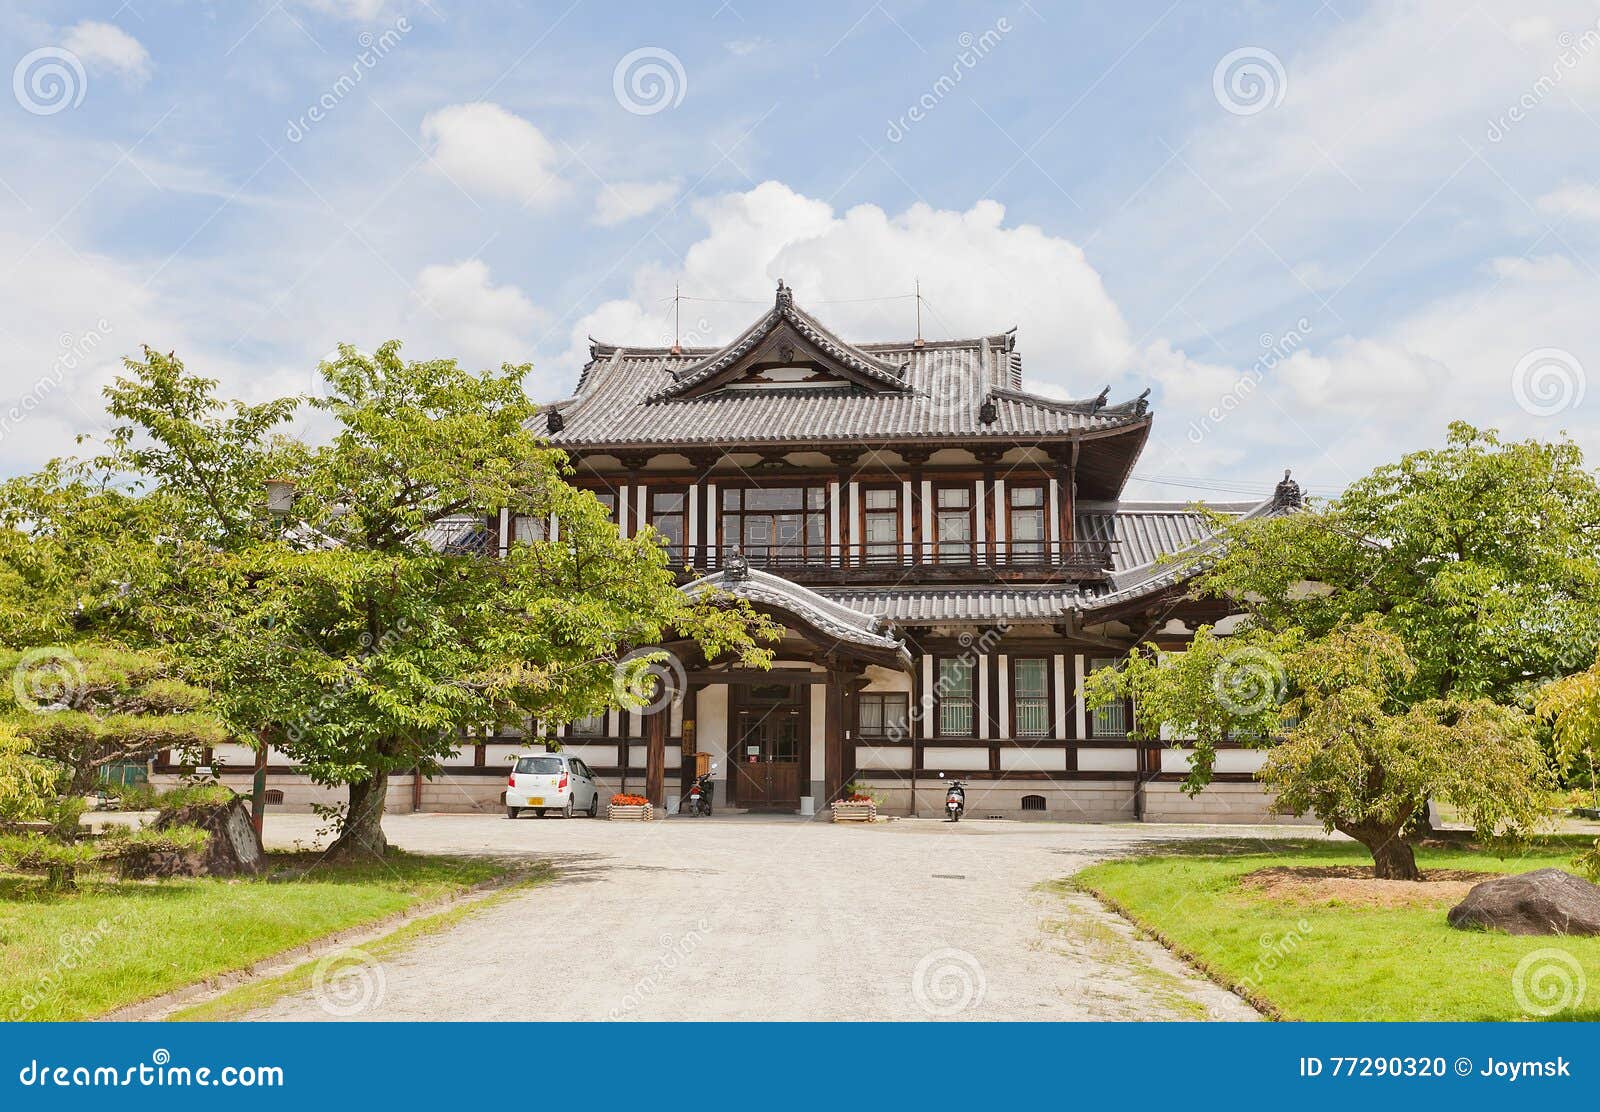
(936, 390)
(1144, 531)
(829, 616)
(960, 604)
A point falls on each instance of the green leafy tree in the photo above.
(1343, 741)
(378, 630)
(1482, 556)
(89, 705)
(29, 784)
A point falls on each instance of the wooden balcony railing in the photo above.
(853, 563)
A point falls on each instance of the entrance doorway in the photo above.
(770, 734)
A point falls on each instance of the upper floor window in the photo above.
(1030, 696)
(668, 510)
(1113, 719)
(953, 696)
(883, 714)
(1026, 525)
(880, 523)
(526, 528)
(608, 499)
(775, 522)
(953, 524)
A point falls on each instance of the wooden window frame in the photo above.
(1042, 509)
(805, 486)
(898, 545)
(972, 667)
(904, 735)
(1127, 705)
(971, 542)
(1049, 698)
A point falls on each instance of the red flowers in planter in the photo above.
(857, 797)
(621, 800)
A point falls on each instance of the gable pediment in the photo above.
(786, 349)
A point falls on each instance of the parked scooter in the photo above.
(955, 799)
(698, 801)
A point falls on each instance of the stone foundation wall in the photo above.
(1219, 803)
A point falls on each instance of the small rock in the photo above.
(1545, 901)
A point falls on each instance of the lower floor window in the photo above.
(884, 714)
(954, 693)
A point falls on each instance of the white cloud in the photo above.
(1536, 268)
(483, 148)
(742, 47)
(625, 201)
(489, 323)
(1579, 200)
(979, 276)
(105, 46)
(1356, 373)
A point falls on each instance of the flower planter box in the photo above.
(631, 813)
(851, 811)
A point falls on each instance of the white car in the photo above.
(543, 782)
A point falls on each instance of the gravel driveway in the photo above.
(745, 917)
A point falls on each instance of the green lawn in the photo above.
(1334, 960)
(75, 955)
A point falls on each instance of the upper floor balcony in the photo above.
(895, 563)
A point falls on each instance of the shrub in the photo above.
(38, 853)
(168, 851)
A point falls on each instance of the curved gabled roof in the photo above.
(928, 391)
(833, 620)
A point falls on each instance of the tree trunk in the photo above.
(362, 835)
(1392, 857)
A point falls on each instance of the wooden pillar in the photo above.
(691, 736)
(655, 775)
(833, 770)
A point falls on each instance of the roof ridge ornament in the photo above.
(785, 298)
(1288, 492)
(738, 564)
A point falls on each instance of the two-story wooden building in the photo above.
(948, 555)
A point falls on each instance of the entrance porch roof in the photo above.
(831, 625)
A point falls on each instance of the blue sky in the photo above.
(1317, 231)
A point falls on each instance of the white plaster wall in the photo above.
(1033, 760)
(871, 757)
(711, 730)
(1108, 760)
(819, 730)
(970, 760)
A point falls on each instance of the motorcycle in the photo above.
(698, 801)
(955, 799)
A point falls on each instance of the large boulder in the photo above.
(232, 846)
(1545, 901)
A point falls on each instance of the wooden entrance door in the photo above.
(770, 734)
